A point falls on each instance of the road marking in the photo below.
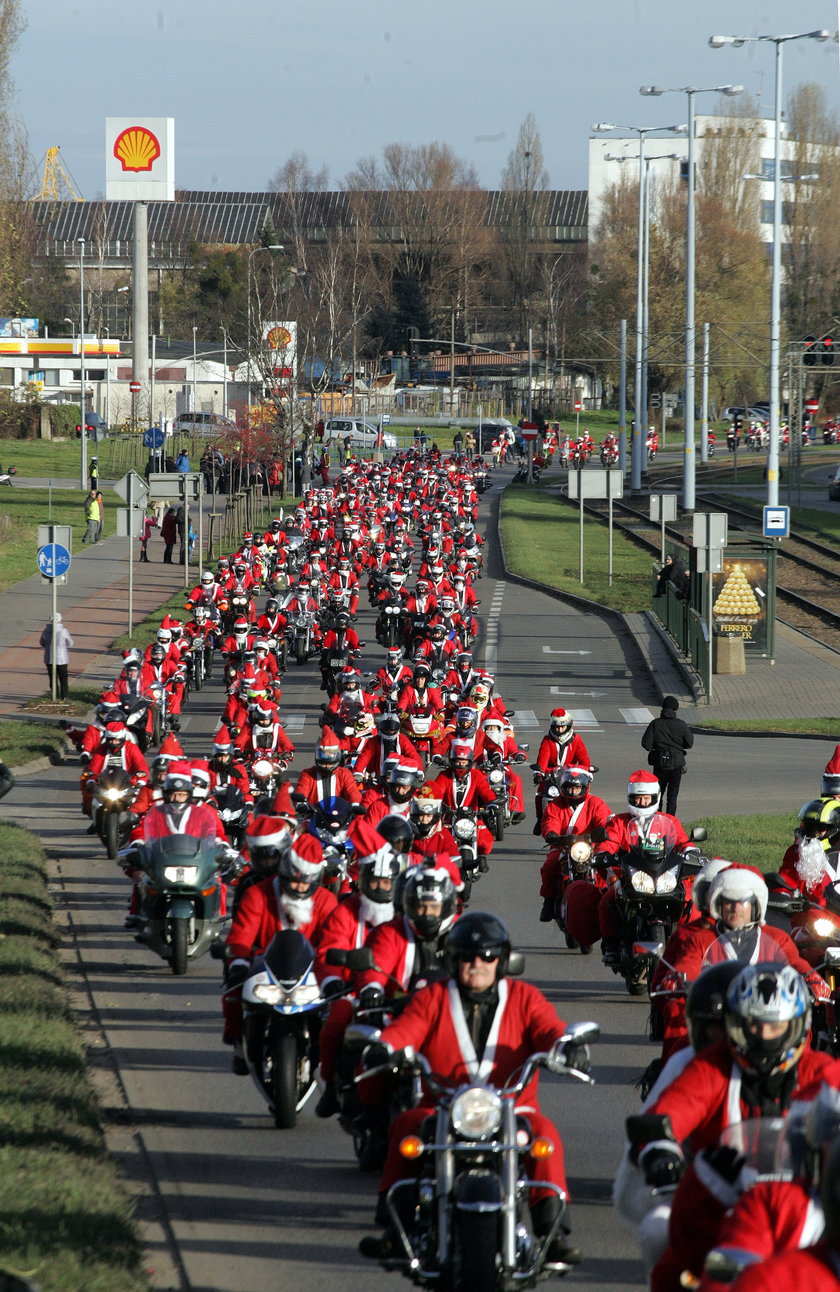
(293, 721)
(637, 717)
(549, 650)
(525, 718)
(584, 720)
(491, 632)
(593, 695)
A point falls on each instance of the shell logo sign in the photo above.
(140, 159)
(137, 148)
(278, 338)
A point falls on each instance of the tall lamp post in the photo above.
(690, 242)
(82, 373)
(194, 409)
(718, 42)
(639, 393)
(275, 246)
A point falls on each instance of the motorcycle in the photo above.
(135, 711)
(420, 725)
(609, 454)
(113, 795)
(180, 896)
(817, 938)
(233, 812)
(282, 1012)
(300, 635)
(463, 822)
(651, 900)
(497, 815)
(463, 1221)
(389, 623)
(577, 856)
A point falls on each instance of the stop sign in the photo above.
(134, 387)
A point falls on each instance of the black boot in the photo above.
(551, 1213)
(547, 912)
(610, 953)
(387, 1246)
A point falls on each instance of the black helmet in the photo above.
(427, 884)
(422, 669)
(706, 998)
(272, 606)
(399, 831)
(478, 933)
(332, 816)
(388, 724)
(342, 619)
(820, 818)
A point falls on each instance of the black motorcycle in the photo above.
(113, 795)
(233, 812)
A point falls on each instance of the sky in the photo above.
(249, 82)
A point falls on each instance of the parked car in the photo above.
(834, 487)
(363, 435)
(202, 424)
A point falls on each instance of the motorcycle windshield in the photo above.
(289, 957)
(654, 856)
(770, 1145)
(747, 946)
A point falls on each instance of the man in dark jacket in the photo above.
(666, 739)
(675, 573)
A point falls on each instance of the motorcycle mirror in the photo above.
(698, 834)
(337, 956)
(581, 1033)
(516, 964)
(360, 958)
(644, 1127)
(832, 955)
(649, 949)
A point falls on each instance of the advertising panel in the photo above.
(280, 339)
(740, 600)
(18, 327)
(140, 159)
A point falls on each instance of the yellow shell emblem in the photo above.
(136, 148)
(279, 338)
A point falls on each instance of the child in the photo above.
(150, 522)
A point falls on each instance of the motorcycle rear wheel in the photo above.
(476, 1245)
(178, 941)
(112, 835)
(300, 651)
(284, 1082)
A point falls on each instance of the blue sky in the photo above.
(249, 83)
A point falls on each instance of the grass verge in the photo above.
(79, 700)
(828, 727)
(65, 1218)
(23, 510)
(22, 742)
(540, 533)
(758, 841)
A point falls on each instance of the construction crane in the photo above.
(56, 179)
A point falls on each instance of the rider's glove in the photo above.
(725, 1161)
(236, 975)
(662, 1166)
(375, 1055)
(371, 997)
(818, 987)
(332, 987)
(577, 1057)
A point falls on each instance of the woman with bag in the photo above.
(666, 739)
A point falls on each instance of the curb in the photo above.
(791, 735)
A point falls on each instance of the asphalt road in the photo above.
(228, 1203)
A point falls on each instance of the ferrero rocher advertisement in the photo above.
(739, 599)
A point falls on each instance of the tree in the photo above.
(17, 229)
(523, 177)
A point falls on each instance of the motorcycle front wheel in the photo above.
(178, 941)
(112, 835)
(300, 650)
(284, 1082)
(476, 1240)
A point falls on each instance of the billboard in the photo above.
(140, 159)
(280, 340)
(739, 599)
(18, 327)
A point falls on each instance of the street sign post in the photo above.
(135, 485)
(710, 534)
(663, 507)
(54, 561)
(776, 522)
(607, 484)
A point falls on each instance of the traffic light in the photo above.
(827, 351)
(809, 356)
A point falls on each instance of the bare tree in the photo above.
(523, 177)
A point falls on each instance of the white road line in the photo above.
(523, 718)
(293, 721)
(584, 720)
(637, 717)
(491, 632)
(549, 650)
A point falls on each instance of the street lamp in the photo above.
(274, 246)
(194, 408)
(640, 394)
(72, 323)
(718, 42)
(690, 243)
(82, 373)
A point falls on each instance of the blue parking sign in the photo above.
(776, 522)
(53, 560)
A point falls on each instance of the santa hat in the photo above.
(282, 804)
(181, 769)
(222, 742)
(329, 738)
(427, 799)
(560, 713)
(307, 856)
(170, 747)
(267, 832)
(166, 621)
(641, 782)
(368, 844)
(200, 777)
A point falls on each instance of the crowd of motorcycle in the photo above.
(332, 898)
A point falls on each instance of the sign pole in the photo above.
(185, 507)
(580, 505)
(130, 527)
(709, 577)
(610, 524)
(54, 597)
(200, 483)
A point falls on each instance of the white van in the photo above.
(363, 435)
(202, 424)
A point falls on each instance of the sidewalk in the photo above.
(94, 606)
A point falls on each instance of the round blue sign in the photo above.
(153, 438)
(53, 560)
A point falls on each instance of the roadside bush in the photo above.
(18, 421)
(64, 418)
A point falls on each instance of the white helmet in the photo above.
(643, 782)
(738, 884)
(703, 881)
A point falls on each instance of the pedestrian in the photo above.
(469, 444)
(458, 442)
(298, 473)
(91, 517)
(180, 522)
(324, 467)
(63, 642)
(182, 462)
(673, 572)
(169, 533)
(341, 453)
(7, 780)
(150, 522)
(93, 471)
(100, 523)
(151, 465)
(666, 739)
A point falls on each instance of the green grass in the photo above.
(21, 741)
(540, 533)
(79, 700)
(828, 727)
(758, 841)
(146, 631)
(23, 510)
(64, 1216)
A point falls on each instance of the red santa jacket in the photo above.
(813, 890)
(706, 1096)
(259, 916)
(394, 948)
(315, 784)
(473, 791)
(130, 759)
(552, 754)
(627, 831)
(371, 759)
(433, 1022)
(815, 1269)
(562, 817)
(198, 819)
(772, 1217)
(345, 929)
(277, 744)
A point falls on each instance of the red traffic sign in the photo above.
(134, 387)
(578, 405)
(812, 405)
(529, 430)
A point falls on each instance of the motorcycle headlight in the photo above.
(476, 1113)
(824, 928)
(496, 776)
(642, 882)
(464, 829)
(112, 795)
(667, 882)
(392, 610)
(580, 851)
(181, 874)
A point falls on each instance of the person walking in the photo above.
(666, 739)
(91, 517)
(63, 643)
(101, 522)
(469, 444)
(180, 526)
(458, 442)
(169, 533)
(150, 522)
